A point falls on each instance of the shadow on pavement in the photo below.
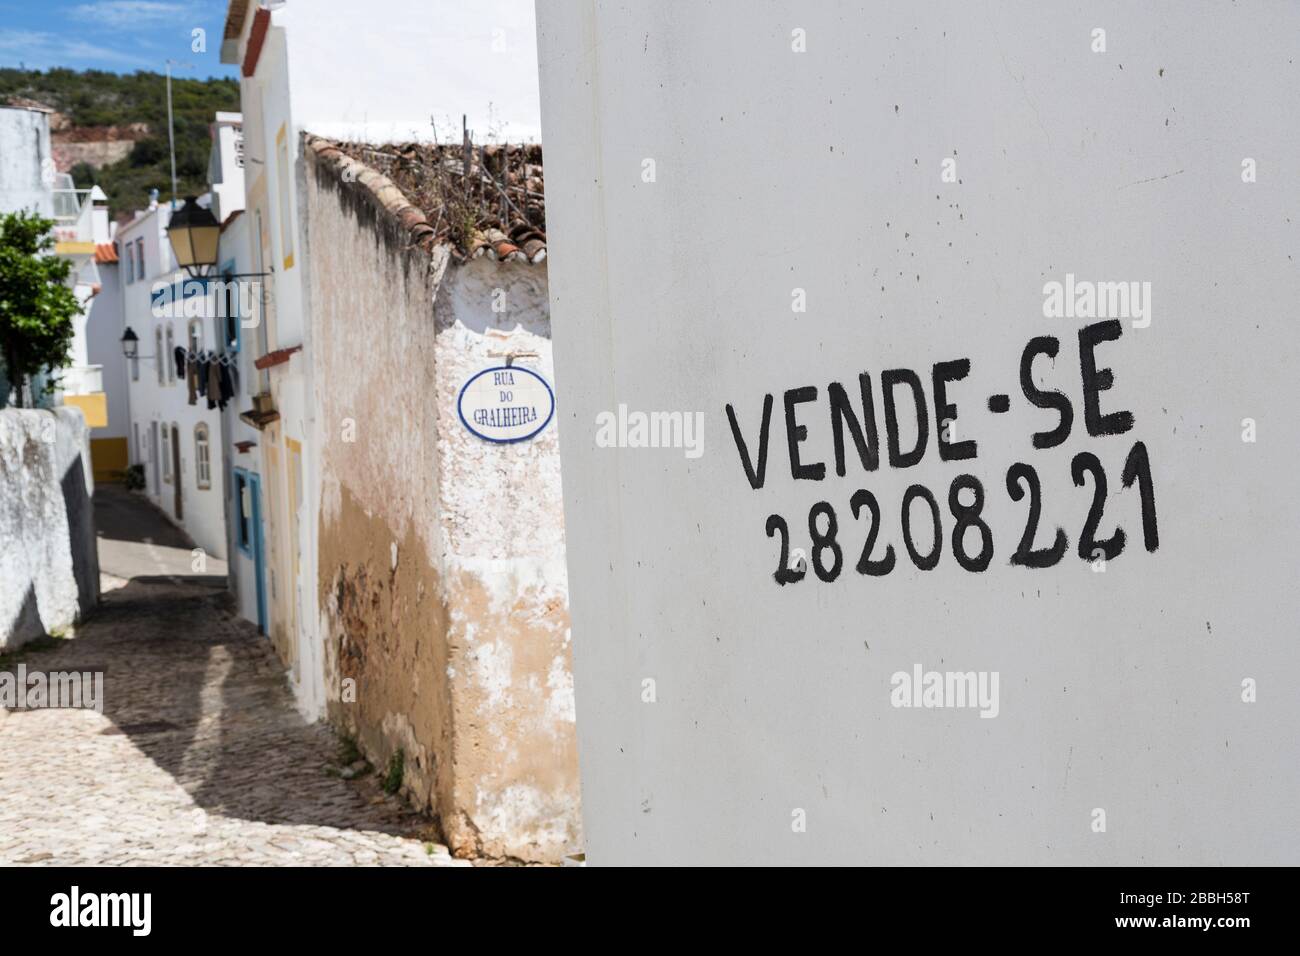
(200, 692)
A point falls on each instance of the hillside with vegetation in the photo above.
(130, 110)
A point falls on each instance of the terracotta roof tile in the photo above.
(235, 19)
(497, 211)
(105, 252)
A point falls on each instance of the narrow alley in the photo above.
(199, 756)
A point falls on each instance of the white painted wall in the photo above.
(226, 166)
(25, 182)
(779, 170)
(235, 257)
(104, 348)
(271, 191)
(49, 568)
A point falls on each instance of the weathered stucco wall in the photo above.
(504, 571)
(24, 148)
(49, 570)
(441, 584)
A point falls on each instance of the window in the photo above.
(160, 361)
(202, 457)
(139, 258)
(196, 336)
(130, 263)
(154, 445)
(243, 512)
(230, 308)
(169, 359)
(166, 458)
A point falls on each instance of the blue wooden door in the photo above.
(259, 553)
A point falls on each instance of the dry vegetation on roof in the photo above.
(473, 196)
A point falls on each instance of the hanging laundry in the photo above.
(214, 382)
(201, 365)
(192, 379)
(226, 385)
(178, 354)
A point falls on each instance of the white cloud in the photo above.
(37, 50)
(123, 14)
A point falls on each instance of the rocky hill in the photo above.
(110, 129)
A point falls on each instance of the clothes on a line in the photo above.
(207, 375)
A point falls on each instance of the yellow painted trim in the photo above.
(279, 136)
(74, 248)
(93, 406)
(257, 191)
(295, 480)
(288, 261)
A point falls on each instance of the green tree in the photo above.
(36, 305)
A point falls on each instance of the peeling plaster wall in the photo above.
(504, 572)
(442, 588)
(49, 568)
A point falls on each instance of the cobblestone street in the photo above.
(199, 756)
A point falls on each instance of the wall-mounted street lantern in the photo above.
(130, 343)
(193, 232)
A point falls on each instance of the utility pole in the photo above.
(171, 135)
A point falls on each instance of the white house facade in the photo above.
(179, 382)
(242, 339)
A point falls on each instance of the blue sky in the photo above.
(118, 35)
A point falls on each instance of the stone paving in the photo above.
(199, 757)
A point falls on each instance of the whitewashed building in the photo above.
(242, 339)
(82, 233)
(175, 429)
(427, 624)
(109, 369)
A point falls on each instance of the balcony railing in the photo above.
(68, 204)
